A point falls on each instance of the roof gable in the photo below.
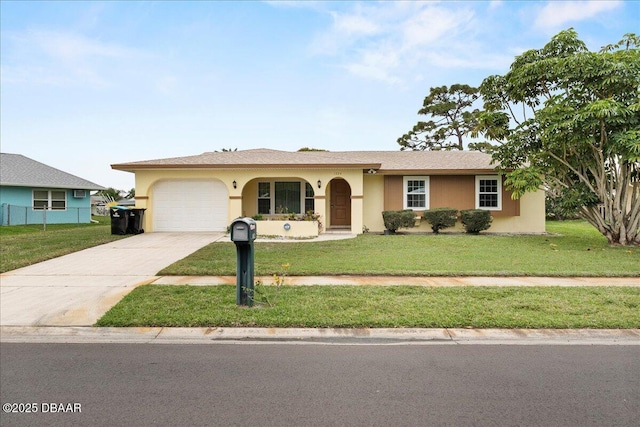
(20, 171)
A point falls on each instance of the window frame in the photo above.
(498, 179)
(405, 191)
(49, 200)
(269, 198)
(272, 196)
(309, 198)
(285, 190)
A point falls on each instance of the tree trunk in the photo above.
(618, 231)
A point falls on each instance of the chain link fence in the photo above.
(25, 215)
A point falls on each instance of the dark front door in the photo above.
(340, 203)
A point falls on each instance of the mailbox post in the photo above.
(243, 233)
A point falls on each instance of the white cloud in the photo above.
(354, 25)
(67, 57)
(558, 13)
(376, 64)
(73, 47)
(392, 41)
(295, 4)
(470, 61)
(433, 24)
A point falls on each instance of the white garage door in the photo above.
(190, 206)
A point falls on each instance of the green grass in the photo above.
(23, 245)
(573, 248)
(377, 307)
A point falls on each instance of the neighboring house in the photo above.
(349, 190)
(100, 204)
(34, 193)
(126, 202)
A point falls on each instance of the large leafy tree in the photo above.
(451, 118)
(568, 120)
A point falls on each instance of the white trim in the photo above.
(272, 194)
(498, 178)
(49, 199)
(405, 180)
(270, 198)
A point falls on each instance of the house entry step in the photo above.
(338, 230)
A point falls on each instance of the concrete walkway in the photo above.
(77, 289)
(58, 301)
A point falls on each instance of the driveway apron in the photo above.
(77, 289)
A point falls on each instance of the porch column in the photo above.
(235, 208)
(357, 212)
(320, 203)
(141, 201)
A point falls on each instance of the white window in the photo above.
(287, 197)
(416, 192)
(309, 200)
(489, 192)
(264, 198)
(284, 197)
(50, 199)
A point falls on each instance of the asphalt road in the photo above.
(319, 385)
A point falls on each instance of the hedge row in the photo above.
(473, 220)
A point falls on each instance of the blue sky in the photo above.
(88, 84)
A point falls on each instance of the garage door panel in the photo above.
(190, 205)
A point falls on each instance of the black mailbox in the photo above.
(243, 233)
(243, 230)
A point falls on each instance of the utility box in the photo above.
(243, 234)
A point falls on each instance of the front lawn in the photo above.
(22, 245)
(381, 307)
(573, 248)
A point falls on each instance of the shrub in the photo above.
(399, 219)
(476, 220)
(441, 218)
(561, 206)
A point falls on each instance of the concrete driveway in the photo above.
(77, 289)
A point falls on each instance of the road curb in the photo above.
(325, 336)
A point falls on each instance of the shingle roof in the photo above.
(20, 171)
(425, 160)
(382, 161)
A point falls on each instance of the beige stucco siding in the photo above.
(525, 215)
(243, 198)
(250, 198)
(370, 195)
(146, 179)
(374, 201)
(531, 217)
